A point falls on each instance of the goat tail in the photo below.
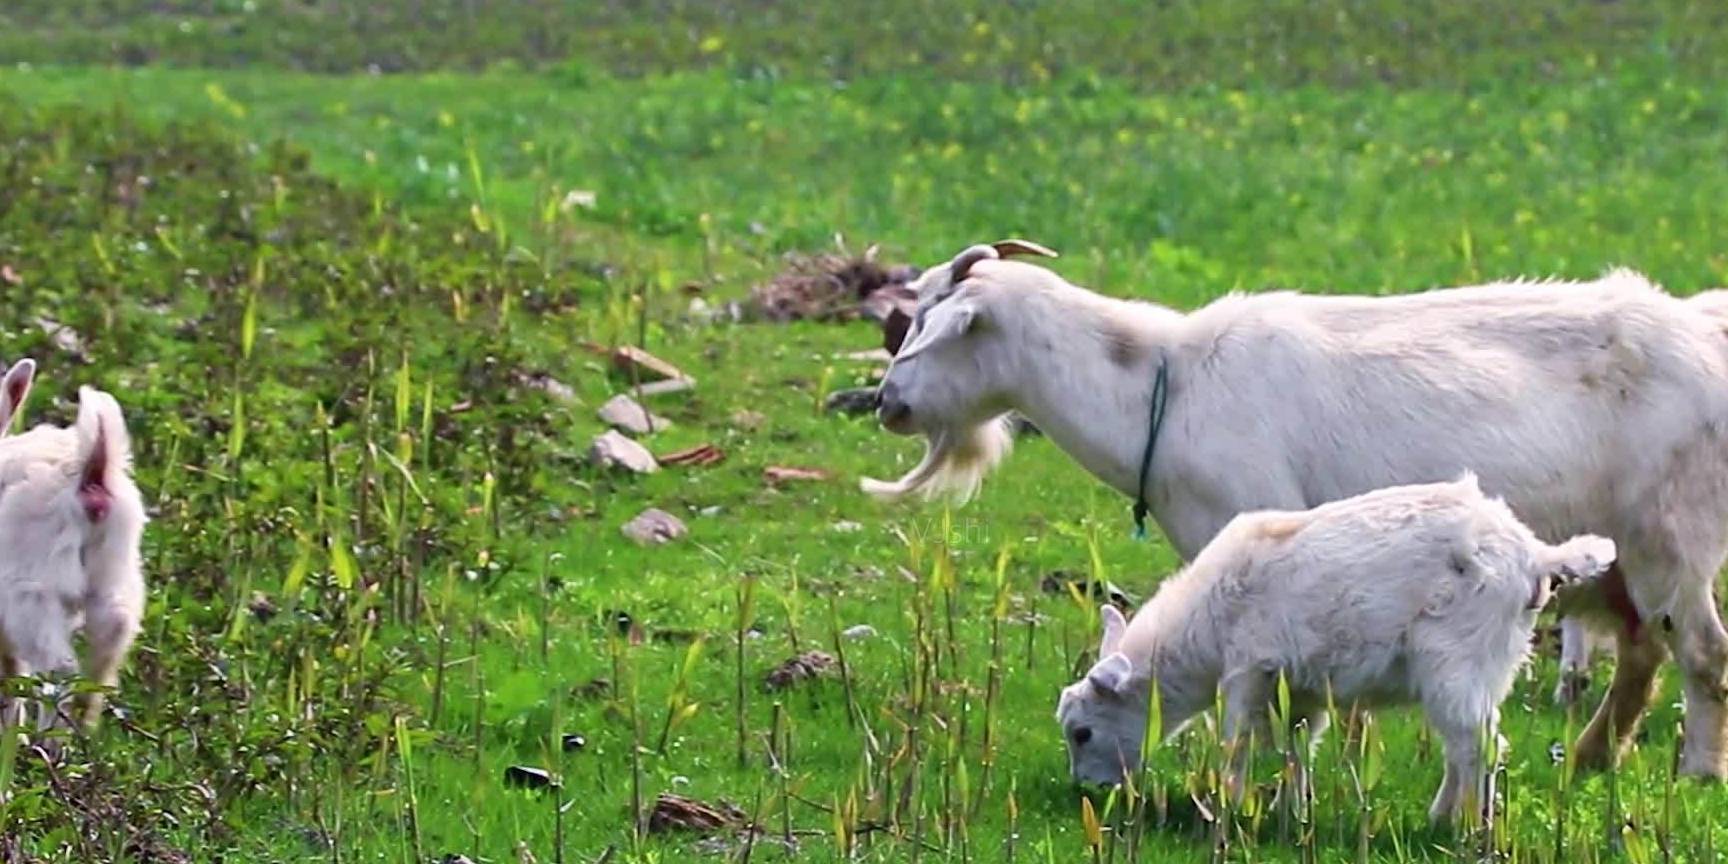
(954, 464)
(1576, 563)
(104, 451)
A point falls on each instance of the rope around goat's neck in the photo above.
(1160, 394)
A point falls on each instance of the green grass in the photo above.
(1175, 44)
(394, 244)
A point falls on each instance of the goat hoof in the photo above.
(1706, 767)
(1592, 754)
(1572, 686)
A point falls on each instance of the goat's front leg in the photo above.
(110, 625)
(39, 631)
(1246, 692)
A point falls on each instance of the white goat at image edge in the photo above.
(1415, 594)
(71, 520)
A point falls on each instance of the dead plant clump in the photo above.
(678, 813)
(834, 286)
(804, 667)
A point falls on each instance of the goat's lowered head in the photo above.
(947, 381)
(1104, 714)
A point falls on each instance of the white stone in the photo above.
(613, 450)
(654, 526)
(623, 413)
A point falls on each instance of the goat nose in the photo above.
(887, 395)
(889, 405)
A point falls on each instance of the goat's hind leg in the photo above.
(1622, 709)
(1700, 644)
(1467, 786)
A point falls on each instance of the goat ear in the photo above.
(1111, 674)
(1114, 626)
(14, 389)
(1014, 246)
(894, 331)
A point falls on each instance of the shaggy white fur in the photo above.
(1593, 407)
(70, 521)
(1421, 594)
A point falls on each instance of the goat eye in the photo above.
(1081, 736)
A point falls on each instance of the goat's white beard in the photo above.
(954, 464)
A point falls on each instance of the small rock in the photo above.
(10, 276)
(711, 510)
(847, 526)
(858, 400)
(748, 420)
(613, 450)
(552, 387)
(527, 777)
(573, 743)
(810, 664)
(63, 337)
(859, 631)
(653, 527)
(623, 413)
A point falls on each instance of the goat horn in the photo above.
(971, 255)
(1012, 247)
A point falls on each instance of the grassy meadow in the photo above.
(329, 258)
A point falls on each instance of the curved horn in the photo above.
(1013, 246)
(962, 263)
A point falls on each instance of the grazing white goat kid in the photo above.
(1595, 407)
(1413, 594)
(70, 524)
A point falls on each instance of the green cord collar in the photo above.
(1160, 395)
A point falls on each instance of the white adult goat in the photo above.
(70, 524)
(1424, 594)
(1596, 407)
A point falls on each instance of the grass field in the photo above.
(382, 572)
